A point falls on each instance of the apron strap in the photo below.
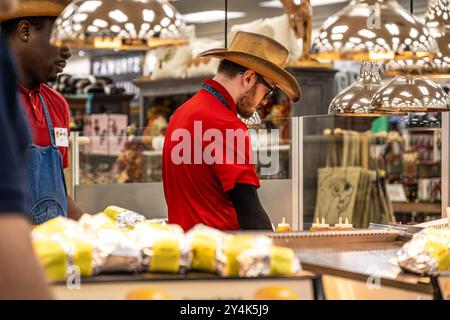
(215, 93)
(49, 121)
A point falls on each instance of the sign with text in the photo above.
(121, 68)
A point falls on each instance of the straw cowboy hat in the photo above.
(263, 55)
(36, 8)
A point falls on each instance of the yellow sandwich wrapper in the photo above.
(124, 218)
(268, 261)
(164, 247)
(204, 242)
(232, 247)
(58, 254)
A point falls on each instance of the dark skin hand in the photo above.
(73, 210)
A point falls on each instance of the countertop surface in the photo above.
(359, 262)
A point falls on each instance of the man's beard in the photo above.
(244, 102)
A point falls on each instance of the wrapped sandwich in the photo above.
(427, 253)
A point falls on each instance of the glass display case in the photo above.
(119, 165)
(385, 170)
(368, 170)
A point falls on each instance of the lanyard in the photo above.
(215, 93)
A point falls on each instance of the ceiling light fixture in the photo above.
(119, 25)
(437, 18)
(355, 100)
(373, 30)
(410, 94)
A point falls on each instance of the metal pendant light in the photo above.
(410, 94)
(437, 20)
(119, 24)
(373, 30)
(355, 99)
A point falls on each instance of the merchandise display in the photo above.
(68, 84)
(349, 180)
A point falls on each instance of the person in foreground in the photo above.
(21, 276)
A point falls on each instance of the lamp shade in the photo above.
(373, 30)
(119, 24)
(437, 20)
(410, 94)
(438, 14)
(356, 98)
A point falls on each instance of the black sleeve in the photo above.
(250, 212)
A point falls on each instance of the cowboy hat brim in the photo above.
(284, 80)
(36, 8)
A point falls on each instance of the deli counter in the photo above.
(395, 165)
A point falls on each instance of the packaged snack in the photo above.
(96, 239)
(164, 248)
(204, 242)
(59, 254)
(268, 261)
(123, 217)
(427, 253)
(115, 251)
(229, 250)
(59, 225)
(92, 223)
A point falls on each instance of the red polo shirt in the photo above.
(196, 186)
(57, 108)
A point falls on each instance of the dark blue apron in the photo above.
(215, 93)
(47, 193)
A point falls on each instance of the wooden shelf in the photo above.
(168, 87)
(421, 207)
(86, 102)
(420, 129)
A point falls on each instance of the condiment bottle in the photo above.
(283, 226)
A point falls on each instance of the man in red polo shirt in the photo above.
(208, 171)
(27, 31)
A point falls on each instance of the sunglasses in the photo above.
(260, 79)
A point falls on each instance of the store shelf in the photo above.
(286, 147)
(88, 101)
(422, 129)
(168, 87)
(422, 207)
(153, 153)
(429, 162)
